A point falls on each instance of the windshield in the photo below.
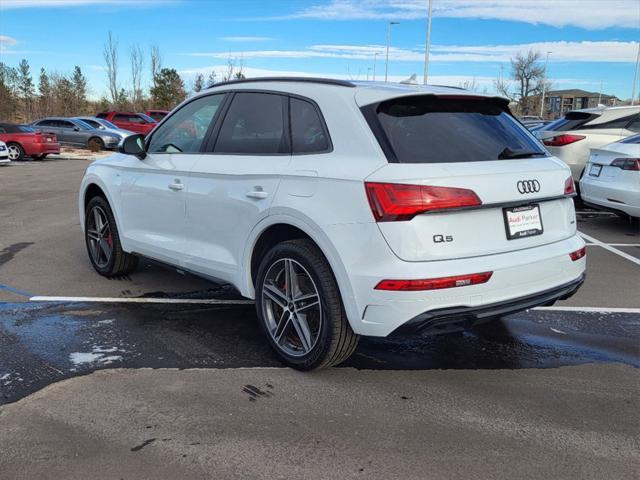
(92, 123)
(106, 123)
(147, 118)
(83, 125)
(427, 129)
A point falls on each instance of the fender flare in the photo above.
(317, 234)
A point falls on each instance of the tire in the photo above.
(95, 144)
(16, 152)
(103, 242)
(330, 339)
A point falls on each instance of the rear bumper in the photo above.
(600, 194)
(460, 318)
(41, 148)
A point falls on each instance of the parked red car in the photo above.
(134, 122)
(157, 115)
(23, 140)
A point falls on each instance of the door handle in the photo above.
(257, 193)
(176, 186)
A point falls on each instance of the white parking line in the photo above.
(141, 300)
(610, 248)
(589, 309)
(615, 244)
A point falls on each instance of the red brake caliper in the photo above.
(110, 240)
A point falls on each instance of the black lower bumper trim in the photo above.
(452, 319)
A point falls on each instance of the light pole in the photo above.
(375, 57)
(368, 70)
(386, 63)
(635, 77)
(428, 47)
(544, 86)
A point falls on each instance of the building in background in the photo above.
(558, 102)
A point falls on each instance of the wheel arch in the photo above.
(92, 185)
(274, 229)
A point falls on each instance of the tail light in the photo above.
(434, 283)
(578, 254)
(569, 186)
(562, 140)
(396, 202)
(627, 163)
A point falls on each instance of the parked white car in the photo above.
(4, 154)
(573, 136)
(343, 209)
(611, 180)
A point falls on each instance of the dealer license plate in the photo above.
(523, 221)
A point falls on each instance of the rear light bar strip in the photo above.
(627, 164)
(562, 140)
(578, 254)
(434, 283)
(392, 202)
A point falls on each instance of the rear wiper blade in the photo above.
(507, 153)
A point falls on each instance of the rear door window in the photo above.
(427, 129)
(254, 124)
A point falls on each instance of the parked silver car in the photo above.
(77, 133)
(105, 126)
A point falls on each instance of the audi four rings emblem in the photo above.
(528, 186)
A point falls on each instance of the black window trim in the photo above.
(211, 136)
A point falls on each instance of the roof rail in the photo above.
(326, 81)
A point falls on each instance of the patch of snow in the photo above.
(5, 376)
(555, 330)
(98, 355)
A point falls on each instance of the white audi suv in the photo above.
(343, 209)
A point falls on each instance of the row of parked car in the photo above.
(43, 137)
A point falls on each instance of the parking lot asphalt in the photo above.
(191, 390)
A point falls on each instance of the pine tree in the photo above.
(198, 83)
(44, 94)
(80, 86)
(26, 89)
(211, 80)
(8, 93)
(169, 89)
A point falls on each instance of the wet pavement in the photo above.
(42, 343)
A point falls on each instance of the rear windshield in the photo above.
(571, 121)
(632, 139)
(426, 129)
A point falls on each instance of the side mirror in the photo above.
(76, 129)
(133, 145)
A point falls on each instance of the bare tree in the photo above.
(155, 63)
(136, 56)
(198, 83)
(235, 69)
(502, 86)
(110, 53)
(529, 75)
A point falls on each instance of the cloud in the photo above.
(241, 38)
(6, 41)
(588, 14)
(15, 4)
(608, 51)
(480, 82)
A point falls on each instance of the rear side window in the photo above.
(572, 121)
(254, 124)
(615, 123)
(427, 129)
(102, 115)
(308, 134)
